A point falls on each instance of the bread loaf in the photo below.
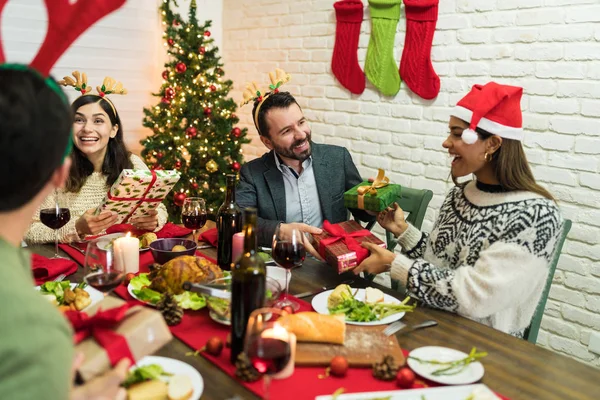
(148, 390)
(315, 327)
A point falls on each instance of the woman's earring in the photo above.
(487, 157)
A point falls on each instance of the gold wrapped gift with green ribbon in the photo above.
(373, 196)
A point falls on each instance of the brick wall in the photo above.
(550, 47)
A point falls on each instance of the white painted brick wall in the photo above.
(550, 47)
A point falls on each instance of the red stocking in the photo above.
(415, 68)
(344, 64)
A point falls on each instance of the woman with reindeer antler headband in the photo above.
(98, 157)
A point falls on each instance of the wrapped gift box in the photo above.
(136, 192)
(345, 253)
(143, 328)
(372, 196)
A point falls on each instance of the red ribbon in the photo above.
(338, 233)
(140, 200)
(100, 327)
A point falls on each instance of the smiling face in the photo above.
(92, 130)
(289, 134)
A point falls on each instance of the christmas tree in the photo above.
(193, 125)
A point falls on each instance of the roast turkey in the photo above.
(171, 275)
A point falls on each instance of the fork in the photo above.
(60, 278)
(399, 325)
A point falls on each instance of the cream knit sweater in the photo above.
(90, 196)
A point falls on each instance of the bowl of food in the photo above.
(220, 309)
(164, 250)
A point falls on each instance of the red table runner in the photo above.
(197, 327)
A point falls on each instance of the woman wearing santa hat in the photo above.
(488, 254)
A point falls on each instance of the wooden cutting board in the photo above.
(364, 345)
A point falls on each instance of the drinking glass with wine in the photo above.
(193, 214)
(56, 217)
(268, 344)
(288, 252)
(102, 271)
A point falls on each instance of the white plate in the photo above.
(95, 295)
(319, 303)
(104, 241)
(218, 319)
(472, 373)
(479, 392)
(176, 367)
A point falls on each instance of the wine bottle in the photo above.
(229, 222)
(248, 285)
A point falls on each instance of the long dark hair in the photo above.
(117, 155)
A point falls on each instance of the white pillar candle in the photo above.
(127, 254)
(237, 246)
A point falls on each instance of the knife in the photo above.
(323, 289)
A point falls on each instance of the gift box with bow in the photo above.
(135, 192)
(113, 330)
(340, 244)
(372, 196)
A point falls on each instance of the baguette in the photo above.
(315, 327)
(148, 390)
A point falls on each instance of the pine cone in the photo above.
(244, 370)
(170, 310)
(385, 370)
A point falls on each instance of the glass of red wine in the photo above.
(102, 271)
(288, 252)
(193, 214)
(267, 344)
(56, 217)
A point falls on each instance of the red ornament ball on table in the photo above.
(171, 42)
(213, 88)
(201, 49)
(180, 67)
(338, 366)
(237, 132)
(165, 75)
(236, 166)
(178, 198)
(405, 378)
(169, 93)
(207, 33)
(207, 111)
(191, 132)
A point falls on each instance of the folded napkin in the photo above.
(46, 269)
(170, 230)
(210, 236)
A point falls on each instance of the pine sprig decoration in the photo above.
(194, 120)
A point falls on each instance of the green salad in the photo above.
(140, 286)
(145, 373)
(58, 289)
(342, 301)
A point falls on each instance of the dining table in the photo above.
(514, 368)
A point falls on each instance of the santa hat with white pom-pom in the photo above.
(494, 108)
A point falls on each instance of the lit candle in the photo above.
(127, 254)
(279, 332)
(237, 246)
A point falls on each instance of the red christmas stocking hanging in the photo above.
(415, 68)
(344, 64)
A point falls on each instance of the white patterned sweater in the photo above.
(486, 258)
(90, 196)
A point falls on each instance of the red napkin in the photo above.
(46, 269)
(170, 230)
(210, 236)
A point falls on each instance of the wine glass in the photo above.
(56, 217)
(267, 344)
(193, 214)
(103, 268)
(288, 252)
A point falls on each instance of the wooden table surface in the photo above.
(514, 368)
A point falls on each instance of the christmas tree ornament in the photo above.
(416, 69)
(207, 111)
(171, 311)
(207, 33)
(177, 164)
(159, 155)
(175, 22)
(218, 71)
(165, 75)
(170, 41)
(236, 166)
(179, 198)
(212, 166)
(236, 132)
(344, 64)
(180, 67)
(169, 93)
(191, 132)
(201, 49)
(194, 185)
(213, 88)
(164, 100)
(234, 117)
(380, 65)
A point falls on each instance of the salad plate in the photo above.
(471, 373)
(172, 367)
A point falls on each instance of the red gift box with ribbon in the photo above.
(340, 244)
(113, 330)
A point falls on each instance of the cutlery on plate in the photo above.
(323, 289)
(399, 325)
(60, 278)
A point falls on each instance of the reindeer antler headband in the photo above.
(252, 93)
(66, 22)
(109, 86)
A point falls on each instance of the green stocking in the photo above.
(380, 67)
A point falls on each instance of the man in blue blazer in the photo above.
(298, 183)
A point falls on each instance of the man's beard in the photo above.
(289, 152)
